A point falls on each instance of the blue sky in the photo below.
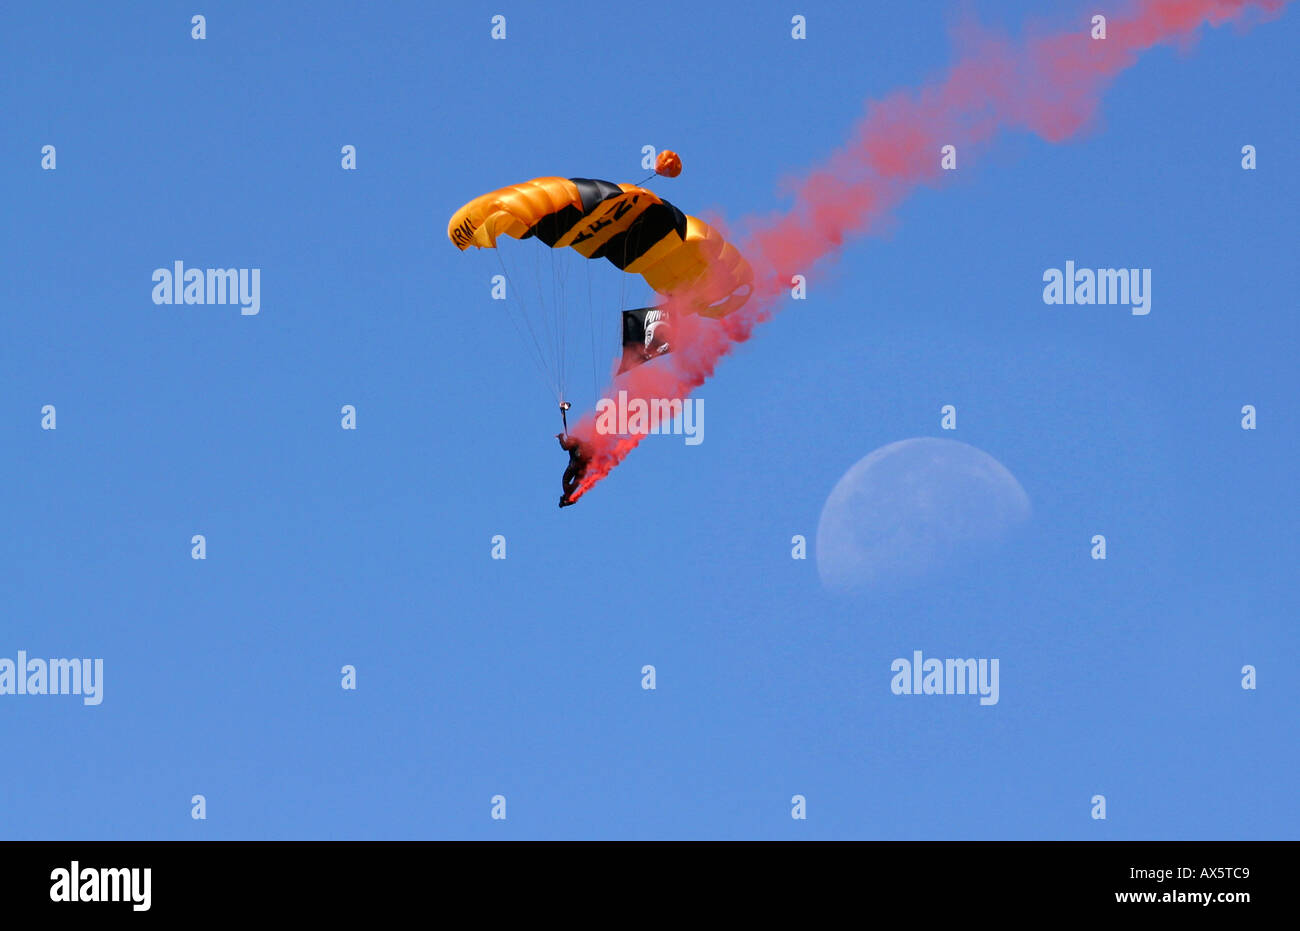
(521, 676)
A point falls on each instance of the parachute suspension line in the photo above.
(622, 289)
(562, 320)
(548, 324)
(570, 314)
(622, 295)
(556, 322)
(545, 370)
(540, 358)
(591, 330)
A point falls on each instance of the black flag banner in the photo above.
(645, 336)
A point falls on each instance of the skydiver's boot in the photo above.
(570, 486)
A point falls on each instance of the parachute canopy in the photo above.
(679, 256)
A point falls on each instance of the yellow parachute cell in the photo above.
(680, 256)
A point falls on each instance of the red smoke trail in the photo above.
(1049, 85)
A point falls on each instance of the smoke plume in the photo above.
(1049, 85)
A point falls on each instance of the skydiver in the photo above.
(579, 458)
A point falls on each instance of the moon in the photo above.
(912, 507)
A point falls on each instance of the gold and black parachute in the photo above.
(680, 256)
